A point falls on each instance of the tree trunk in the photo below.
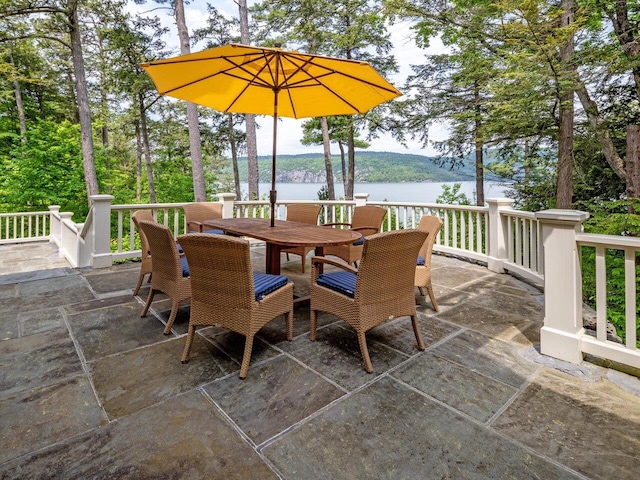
(344, 165)
(331, 191)
(633, 167)
(199, 191)
(564, 188)
(147, 151)
(606, 144)
(479, 147)
(250, 120)
(138, 163)
(234, 157)
(84, 113)
(19, 104)
(351, 170)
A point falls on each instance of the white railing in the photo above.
(628, 249)
(24, 227)
(543, 247)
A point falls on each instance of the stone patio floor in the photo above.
(88, 389)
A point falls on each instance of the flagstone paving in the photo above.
(89, 389)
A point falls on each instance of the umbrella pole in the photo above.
(273, 195)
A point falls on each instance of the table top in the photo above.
(290, 234)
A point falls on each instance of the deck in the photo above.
(88, 389)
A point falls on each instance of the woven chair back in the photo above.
(303, 213)
(201, 212)
(388, 264)
(220, 267)
(166, 259)
(142, 216)
(368, 216)
(432, 225)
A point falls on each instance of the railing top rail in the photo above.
(518, 214)
(24, 214)
(593, 239)
(153, 206)
(433, 206)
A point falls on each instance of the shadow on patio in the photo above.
(88, 389)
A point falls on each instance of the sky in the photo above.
(290, 130)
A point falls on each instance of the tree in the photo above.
(64, 15)
(250, 120)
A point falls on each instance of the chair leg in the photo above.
(152, 292)
(433, 298)
(314, 325)
(421, 291)
(362, 340)
(172, 317)
(140, 279)
(248, 345)
(187, 346)
(416, 331)
(288, 318)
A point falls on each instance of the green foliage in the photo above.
(614, 260)
(451, 195)
(45, 170)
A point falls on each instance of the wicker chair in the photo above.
(199, 212)
(226, 292)
(380, 289)
(366, 220)
(432, 226)
(302, 213)
(145, 265)
(170, 270)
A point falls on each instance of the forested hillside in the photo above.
(374, 167)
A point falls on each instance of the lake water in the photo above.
(393, 192)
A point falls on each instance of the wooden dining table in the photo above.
(284, 234)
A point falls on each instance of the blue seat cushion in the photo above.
(179, 248)
(341, 282)
(185, 266)
(420, 260)
(213, 232)
(359, 242)
(265, 283)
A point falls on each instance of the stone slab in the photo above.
(133, 380)
(275, 396)
(184, 437)
(388, 431)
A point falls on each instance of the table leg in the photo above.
(320, 253)
(273, 259)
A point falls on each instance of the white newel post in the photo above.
(497, 233)
(101, 251)
(228, 201)
(55, 225)
(562, 330)
(361, 199)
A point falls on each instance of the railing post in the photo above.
(562, 330)
(101, 251)
(227, 200)
(361, 199)
(497, 233)
(55, 225)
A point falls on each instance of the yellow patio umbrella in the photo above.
(271, 81)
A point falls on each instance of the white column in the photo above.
(497, 233)
(55, 228)
(562, 330)
(101, 205)
(361, 199)
(227, 200)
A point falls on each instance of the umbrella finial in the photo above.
(278, 45)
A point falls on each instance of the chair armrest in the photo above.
(328, 261)
(364, 230)
(198, 226)
(336, 224)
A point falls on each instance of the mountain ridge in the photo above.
(371, 167)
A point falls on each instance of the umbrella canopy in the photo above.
(271, 81)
